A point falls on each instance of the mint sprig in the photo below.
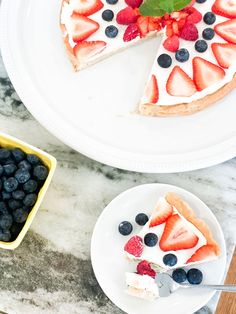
(161, 7)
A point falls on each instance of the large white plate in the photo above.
(110, 265)
(92, 110)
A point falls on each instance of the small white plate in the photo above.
(110, 265)
(92, 110)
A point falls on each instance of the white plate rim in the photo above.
(92, 148)
(158, 185)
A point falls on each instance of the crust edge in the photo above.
(187, 109)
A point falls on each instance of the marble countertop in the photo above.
(51, 270)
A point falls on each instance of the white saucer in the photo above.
(110, 265)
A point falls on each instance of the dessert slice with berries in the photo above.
(173, 237)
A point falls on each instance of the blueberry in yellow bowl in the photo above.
(25, 175)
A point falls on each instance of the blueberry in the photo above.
(4, 154)
(182, 55)
(111, 1)
(10, 184)
(208, 33)
(8, 161)
(5, 195)
(30, 199)
(20, 215)
(107, 15)
(141, 219)
(18, 154)
(164, 60)
(40, 172)
(194, 276)
(150, 239)
(6, 221)
(33, 159)
(1, 170)
(16, 229)
(111, 31)
(209, 18)
(9, 169)
(24, 164)
(170, 260)
(30, 186)
(125, 228)
(18, 194)
(3, 208)
(22, 175)
(0, 184)
(179, 275)
(14, 204)
(200, 1)
(201, 45)
(5, 235)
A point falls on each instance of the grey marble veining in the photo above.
(51, 271)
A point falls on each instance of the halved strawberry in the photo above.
(227, 30)
(225, 8)
(206, 73)
(87, 7)
(131, 32)
(83, 27)
(225, 54)
(143, 22)
(205, 252)
(176, 235)
(162, 211)
(151, 92)
(179, 78)
(127, 16)
(88, 49)
(171, 43)
(134, 246)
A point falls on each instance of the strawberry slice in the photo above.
(131, 32)
(87, 7)
(226, 8)
(227, 30)
(151, 92)
(88, 49)
(171, 43)
(206, 73)
(179, 78)
(134, 246)
(83, 27)
(127, 16)
(225, 54)
(176, 235)
(143, 23)
(205, 252)
(162, 212)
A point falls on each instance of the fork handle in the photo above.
(228, 288)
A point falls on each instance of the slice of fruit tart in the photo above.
(196, 61)
(171, 238)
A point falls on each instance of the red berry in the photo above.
(144, 268)
(131, 32)
(134, 246)
(189, 32)
(195, 16)
(134, 3)
(127, 16)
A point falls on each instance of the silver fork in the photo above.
(167, 285)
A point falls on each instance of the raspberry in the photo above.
(127, 16)
(189, 32)
(144, 268)
(194, 17)
(134, 246)
(134, 3)
(171, 43)
(131, 32)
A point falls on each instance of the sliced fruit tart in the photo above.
(172, 237)
(196, 61)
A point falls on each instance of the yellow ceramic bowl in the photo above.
(10, 142)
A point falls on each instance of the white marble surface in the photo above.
(51, 271)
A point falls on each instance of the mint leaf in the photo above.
(161, 7)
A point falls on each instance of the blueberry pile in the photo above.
(21, 177)
(193, 275)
